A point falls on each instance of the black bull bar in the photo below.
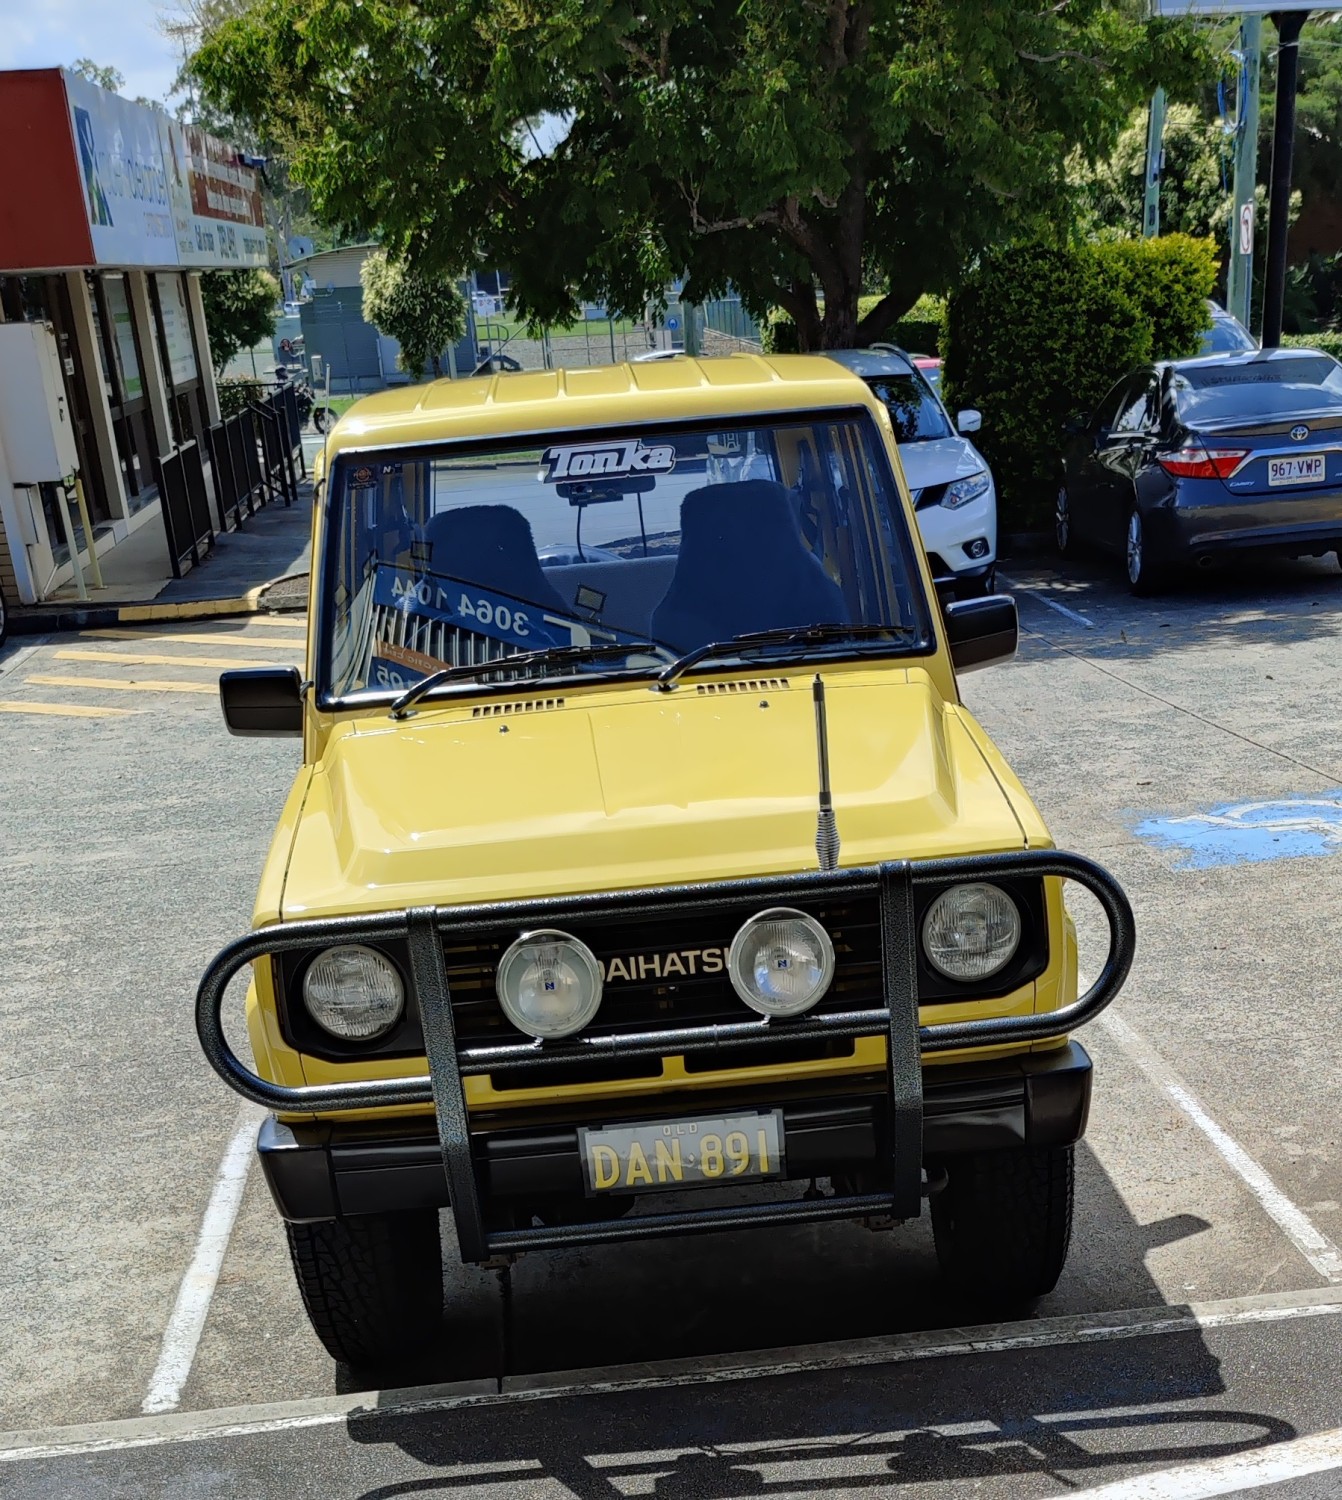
(423, 929)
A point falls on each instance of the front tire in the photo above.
(372, 1284)
(1003, 1224)
(322, 418)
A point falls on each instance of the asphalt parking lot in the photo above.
(1189, 743)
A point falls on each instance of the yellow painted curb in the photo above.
(197, 609)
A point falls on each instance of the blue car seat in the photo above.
(490, 545)
(743, 566)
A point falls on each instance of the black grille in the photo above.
(653, 952)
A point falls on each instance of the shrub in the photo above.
(1170, 279)
(918, 331)
(237, 393)
(1036, 334)
(1328, 343)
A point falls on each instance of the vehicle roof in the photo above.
(871, 363)
(599, 396)
(1237, 357)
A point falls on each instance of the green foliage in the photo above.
(422, 310)
(237, 394)
(1193, 196)
(105, 78)
(240, 311)
(1169, 278)
(1036, 334)
(1328, 343)
(919, 332)
(787, 148)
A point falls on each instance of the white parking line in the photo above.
(182, 1334)
(1044, 599)
(1297, 1226)
(902, 1348)
(1230, 1475)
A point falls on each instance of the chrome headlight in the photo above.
(971, 932)
(781, 962)
(354, 993)
(964, 490)
(549, 984)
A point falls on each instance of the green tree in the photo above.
(1194, 185)
(105, 78)
(240, 311)
(422, 310)
(791, 148)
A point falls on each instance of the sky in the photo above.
(122, 34)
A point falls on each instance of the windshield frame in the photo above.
(927, 644)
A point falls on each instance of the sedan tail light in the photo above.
(1197, 462)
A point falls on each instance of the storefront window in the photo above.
(123, 335)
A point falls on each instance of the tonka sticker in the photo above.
(606, 460)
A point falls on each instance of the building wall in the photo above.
(337, 268)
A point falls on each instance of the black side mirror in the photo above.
(262, 702)
(981, 632)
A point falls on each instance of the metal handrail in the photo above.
(457, 921)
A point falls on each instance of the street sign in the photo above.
(672, 324)
(1246, 229)
(1231, 7)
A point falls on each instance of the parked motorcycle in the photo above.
(322, 416)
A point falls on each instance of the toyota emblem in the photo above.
(1299, 432)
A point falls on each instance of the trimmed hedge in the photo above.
(1036, 334)
(919, 332)
(1326, 343)
(237, 393)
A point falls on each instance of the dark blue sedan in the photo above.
(1187, 461)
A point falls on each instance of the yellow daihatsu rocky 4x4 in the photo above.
(644, 868)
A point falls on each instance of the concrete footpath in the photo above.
(260, 567)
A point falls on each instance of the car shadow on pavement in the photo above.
(1030, 1410)
(1247, 602)
(1037, 1412)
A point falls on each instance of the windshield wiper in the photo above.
(786, 635)
(593, 651)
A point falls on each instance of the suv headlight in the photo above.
(781, 962)
(354, 993)
(549, 984)
(964, 490)
(971, 932)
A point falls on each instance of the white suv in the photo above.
(953, 491)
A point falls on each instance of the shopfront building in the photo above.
(109, 213)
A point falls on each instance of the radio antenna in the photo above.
(827, 830)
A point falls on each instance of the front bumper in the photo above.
(476, 1172)
(329, 1169)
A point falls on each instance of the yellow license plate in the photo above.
(669, 1154)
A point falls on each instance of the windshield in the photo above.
(659, 541)
(1226, 336)
(1258, 388)
(915, 413)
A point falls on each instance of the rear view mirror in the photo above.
(981, 632)
(968, 421)
(262, 702)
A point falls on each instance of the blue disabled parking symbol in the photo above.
(1241, 833)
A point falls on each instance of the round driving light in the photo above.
(353, 992)
(549, 984)
(971, 932)
(781, 962)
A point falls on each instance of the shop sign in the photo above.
(158, 193)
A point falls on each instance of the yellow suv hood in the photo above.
(609, 788)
